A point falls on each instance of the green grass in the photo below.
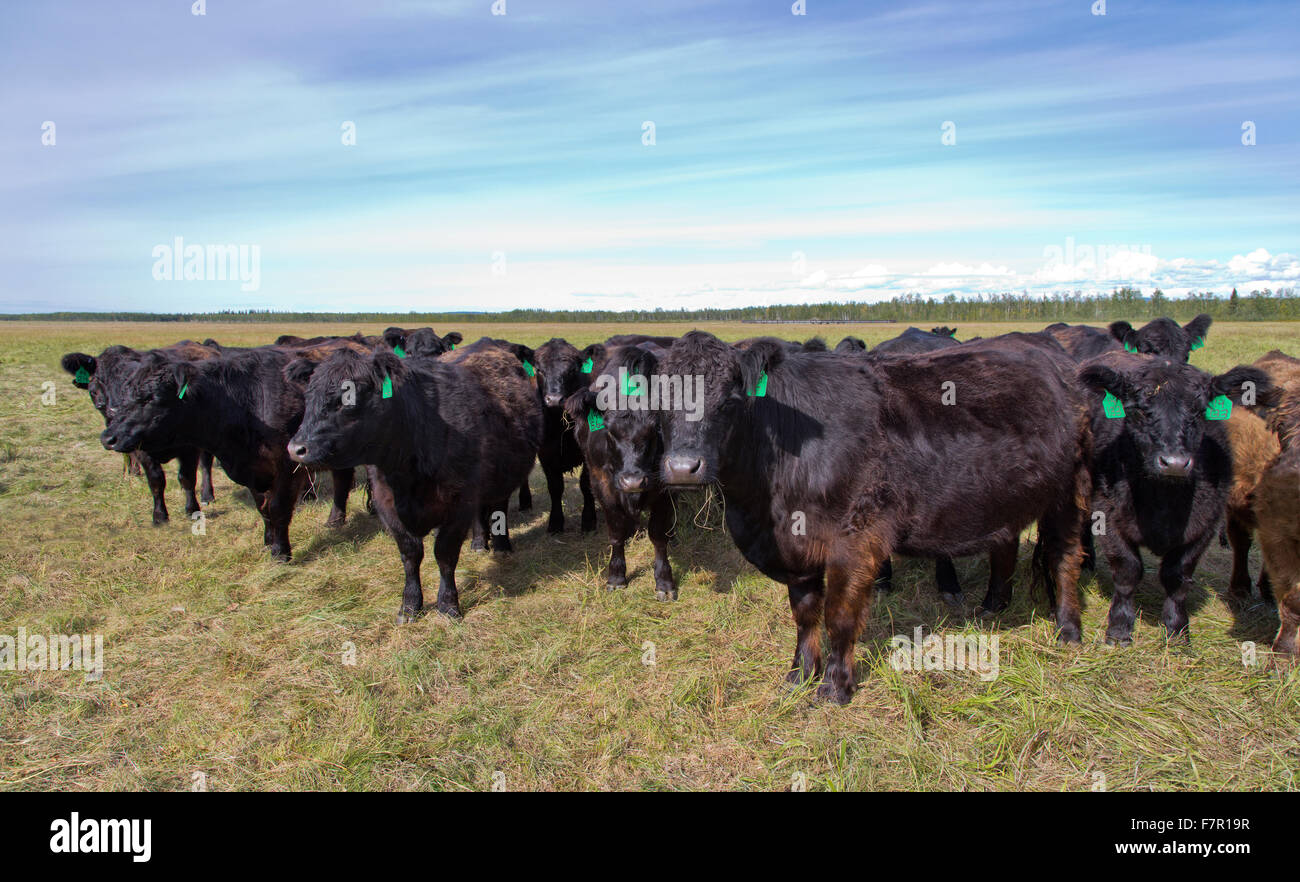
(220, 661)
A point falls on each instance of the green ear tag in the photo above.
(1220, 408)
(1113, 407)
(453, 346)
(184, 389)
(587, 366)
(399, 352)
(628, 391)
(1198, 343)
(760, 391)
(1129, 347)
(595, 422)
(529, 369)
(387, 390)
(82, 375)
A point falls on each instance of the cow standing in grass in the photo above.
(828, 464)
(1162, 471)
(102, 377)
(239, 406)
(622, 449)
(446, 442)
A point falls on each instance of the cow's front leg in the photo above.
(446, 548)
(153, 473)
(206, 493)
(660, 529)
(342, 480)
(850, 581)
(187, 470)
(806, 598)
(588, 502)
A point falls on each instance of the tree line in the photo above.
(1129, 303)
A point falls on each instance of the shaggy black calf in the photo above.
(446, 443)
(622, 450)
(102, 377)
(239, 406)
(828, 464)
(1162, 471)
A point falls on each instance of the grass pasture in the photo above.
(222, 662)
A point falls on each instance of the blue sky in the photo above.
(499, 159)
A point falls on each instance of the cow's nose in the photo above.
(107, 439)
(553, 400)
(684, 469)
(631, 483)
(1174, 465)
(297, 451)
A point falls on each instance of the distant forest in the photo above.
(1127, 303)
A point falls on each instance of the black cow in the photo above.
(622, 450)
(239, 406)
(101, 378)
(1160, 337)
(850, 346)
(839, 462)
(562, 370)
(420, 341)
(1162, 472)
(446, 443)
(915, 340)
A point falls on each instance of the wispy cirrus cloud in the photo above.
(521, 135)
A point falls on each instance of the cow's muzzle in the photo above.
(682, 470)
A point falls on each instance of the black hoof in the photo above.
(406, 615)
(450, 610)
(833, 694)
(1120, 640)
(1069, 634)
(665, 595)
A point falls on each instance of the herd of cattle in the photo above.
(828, 461)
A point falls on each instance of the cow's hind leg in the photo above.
(806, 601)
(525, 496)
(1061, 543)
(342, 480)
(945, 576)
(850, 580)
(1239, 537)
(554, 473)
(187, 470)
(1002, 566)
(499, 526)
(206, 493)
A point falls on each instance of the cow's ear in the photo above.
(592, 359)
(213, 343)
(523, 353)
(81, 366)
(1122, 331)
(761, 356)
(642, 363)
(394, 337)
(814, 344)
(183, 373)
(577, 404)
(1245, 385)
(1197, 328)
(1101, 378)
(452, 339)
(299, 371)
